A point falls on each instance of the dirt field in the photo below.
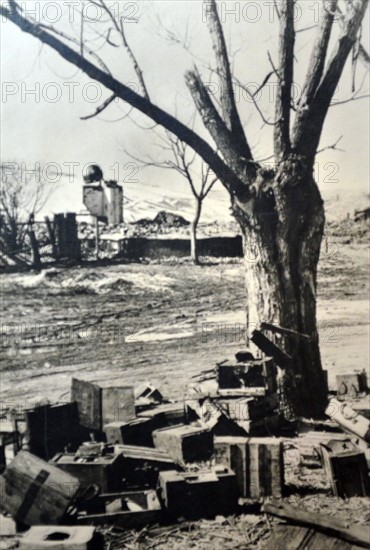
(158, 322)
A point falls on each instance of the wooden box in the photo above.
(253, 374)
(35, 492)
(143, 464)
(61, 538)
(345, 468)
(199, 494)
(100, 404)
(257, 462)
(51, 428)
(105, 471)
(137, 432)
(185, 443)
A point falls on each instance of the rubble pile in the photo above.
(126, 466)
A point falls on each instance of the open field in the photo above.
(160, 322)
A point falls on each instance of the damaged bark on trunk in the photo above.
(282, 228)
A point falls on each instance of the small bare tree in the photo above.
(183, 161)
(22, 195)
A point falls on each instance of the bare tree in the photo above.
(280, 209)
(182, 161)
(22, 195)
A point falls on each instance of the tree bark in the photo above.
(193, 231)
(283, 227)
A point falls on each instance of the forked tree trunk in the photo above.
(283, 229)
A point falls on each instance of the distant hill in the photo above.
(145, 200)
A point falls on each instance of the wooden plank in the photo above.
(143, 453)
(35, 492)
(355, 534)
(286, 331)
(320, 540)
(295, 537)
(51, 428)
(272, 350)
(118, 403)
(242, 392)
(88, 399)
(126, 520)
(289, 537)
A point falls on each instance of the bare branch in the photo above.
(364, 56)
(216, 126)
(225, 173)
(350, 99)
(227, 98)
(318, 55)
(310, 119)
(119, 28)
(333, 147)
(109, 40)
(75, 41)
(255, 103)
(101, 108)
(285, 70)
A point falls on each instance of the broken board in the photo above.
(294, 537)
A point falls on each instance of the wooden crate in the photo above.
(35, 492)
(345, 468)
(185, 443)
(100, 404)
(198, 494)
(51, 428)
(136, 432)
(105, 471)
(257, 462)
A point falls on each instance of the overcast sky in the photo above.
(43, 97)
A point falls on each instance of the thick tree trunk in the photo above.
(193, 232)
(283, 227)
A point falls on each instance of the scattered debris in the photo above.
(349, 419)
(151, 461)
(164, 219)
(146, 394)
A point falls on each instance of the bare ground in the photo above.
(164, 322)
